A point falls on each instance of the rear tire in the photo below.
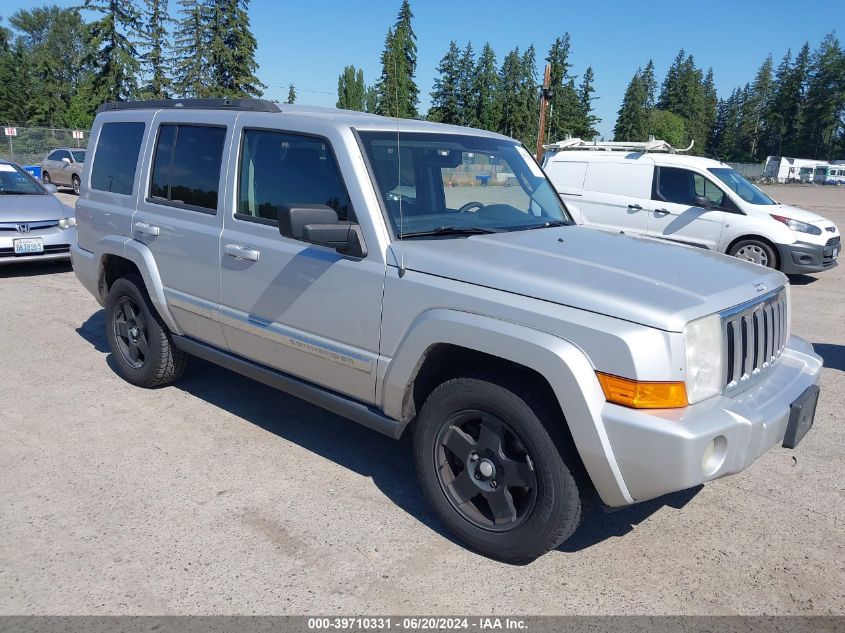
(139, 340)
(45, 178)
(756, 251)
(512, 494)
(74, 182)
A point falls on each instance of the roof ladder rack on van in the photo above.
(651, 145)
(251, 105)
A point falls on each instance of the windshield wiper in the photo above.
(544, 225)
(450, 230)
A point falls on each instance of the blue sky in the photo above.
(309, 42)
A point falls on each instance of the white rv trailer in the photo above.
(785, 169)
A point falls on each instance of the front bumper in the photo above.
(57, 243)
(664, 451)
(802, 257)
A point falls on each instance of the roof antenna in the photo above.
(399, 174)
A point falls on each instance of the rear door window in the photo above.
(116, 157)
(186, 166)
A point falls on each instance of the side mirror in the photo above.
(702, 201)
(66, 160)
(51, 188)
(319, 224)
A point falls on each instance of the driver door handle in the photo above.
(147, 229)
(661, 212)
(239, 251)
(635, 207)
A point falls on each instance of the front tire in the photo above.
(74, 182)
(498, 467)
(139, 340)
(755, 251)
(45, 178)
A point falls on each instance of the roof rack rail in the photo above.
(651, 145)
(252, 105)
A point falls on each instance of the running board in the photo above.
(329, 400)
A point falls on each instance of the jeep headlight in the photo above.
(66, 223)
(705, 364)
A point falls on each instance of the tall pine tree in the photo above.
(156, 58)
(486, 89)
(115, 53)
(821, 118)
(231, 47)
(190, 52)
(445, 107)
(585, 127)
(633, 119)
(397, 91)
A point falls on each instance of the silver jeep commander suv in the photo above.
(406, 274)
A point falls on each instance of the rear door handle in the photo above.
(147, 229)
(635, 207)
(661, 212)
(239, 251)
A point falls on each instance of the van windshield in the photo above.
(741, 187)
(451, 184)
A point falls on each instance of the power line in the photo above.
(298, 89)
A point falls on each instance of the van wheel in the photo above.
(498, 467)
(755, 251)
(75, 184)
(140, 342)
(45, 178)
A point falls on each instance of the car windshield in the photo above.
(744, 189)
(78, 155)
(451, 184)
(14, 181)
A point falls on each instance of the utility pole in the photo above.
(544, 105)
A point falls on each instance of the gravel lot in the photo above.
(221, 496)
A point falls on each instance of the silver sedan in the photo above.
(34, 224)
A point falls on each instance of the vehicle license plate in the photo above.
(801, 415)
(29, 246)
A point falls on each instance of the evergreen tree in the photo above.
(633, 120)
(667, 126)
(291, 94)
(650, 83)
(756, 105)
(587, 120)
(529, 97)
(683, 93)
(821, 118)
(445, 107)
(115, 53)
(231, 50)
(564, 115)
(191, 56)
(156, 58)
(16, 84)
(351, 91)
(488, 111)
(466, 93)
(397, 92)
(512, 109)
(711, 105)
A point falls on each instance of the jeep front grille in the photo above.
(754, 335)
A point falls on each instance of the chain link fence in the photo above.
(29, 145)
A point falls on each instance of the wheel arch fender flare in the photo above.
(140, 255)
(565, 366)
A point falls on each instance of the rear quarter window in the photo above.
(116, 157)
(622, 179)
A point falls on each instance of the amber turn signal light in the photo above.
(643, 395)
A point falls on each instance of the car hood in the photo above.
(639, 279)
(32, 208)
(802, 215)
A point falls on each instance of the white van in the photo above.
(650, 189)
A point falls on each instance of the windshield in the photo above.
(744, 189)
(14, 181)
(449, 183)
(78, 155)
